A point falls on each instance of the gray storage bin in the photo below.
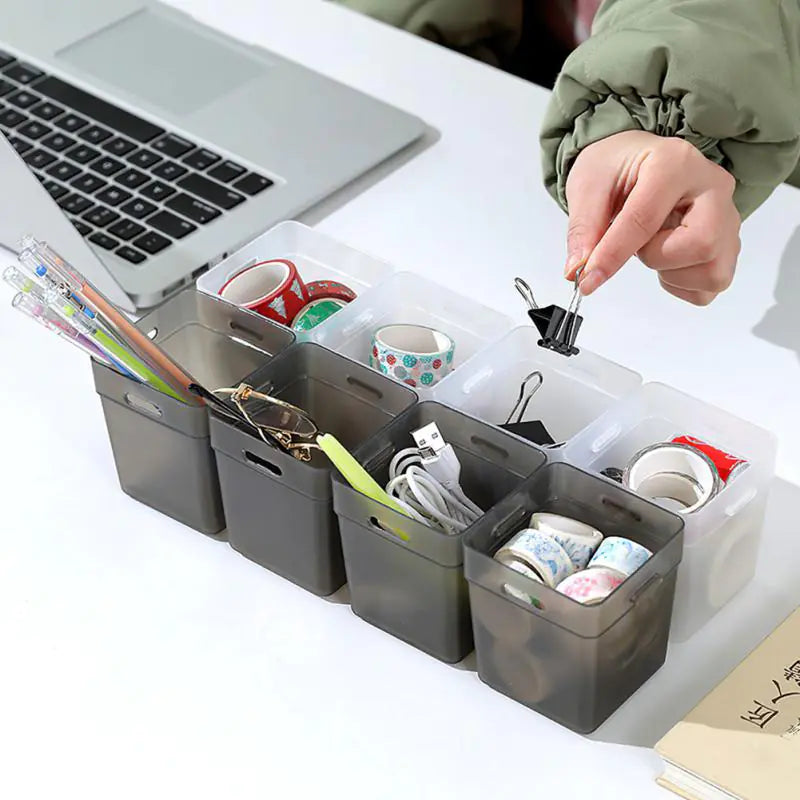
(280, 510)
(415, 588)
(571, 662)
(161, 446)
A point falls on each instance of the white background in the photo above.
(138, 658)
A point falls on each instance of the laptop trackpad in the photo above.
(162, 62)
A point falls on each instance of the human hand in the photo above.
(660, 198)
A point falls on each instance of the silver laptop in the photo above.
(165, 144)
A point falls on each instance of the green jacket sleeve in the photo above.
(484, 29)
(722, 74)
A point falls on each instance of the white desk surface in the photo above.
(141, 659)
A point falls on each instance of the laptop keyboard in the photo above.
(128, 186)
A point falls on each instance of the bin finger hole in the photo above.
(494, 449)
(364, 388)
(381, 528)
(262, 463)
(237, 327)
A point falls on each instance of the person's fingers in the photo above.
(695, 298)
(656, 193)
(703, 233)
(714, 276)
(589, 198)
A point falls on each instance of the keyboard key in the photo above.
(5, 87)
(169, 171)
(106, 242)
(34, 130)
(113, 196)
(126, 229)
(20, 145)
(119, 146)
(94, 134)
(152, 242)
(71, 123)
(137, 208)
(75, 204)
(23, 73)
(132, 178)
(157, 190)
(11, 117)
(129, 254)
(88, 183)
(55, 190)
(47, 110)
(210, 190)
(173, 146)
(144, 159)
(201, 159)
(64, 171)
(82, 228)
(173, 226)
(227, 171)
(22, 99)
(39, 159)
(58, 142)
(252, 184)
(82, 154)
(99, 110)
(107, 166)
(100, 216)
(192, 208)
(5, 58)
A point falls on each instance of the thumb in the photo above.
(590, 214)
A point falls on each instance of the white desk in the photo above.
(140, 659)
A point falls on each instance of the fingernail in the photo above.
(574, 261)
(592, 281)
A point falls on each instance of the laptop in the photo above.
(166, 145)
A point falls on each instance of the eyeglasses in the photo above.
(278, 423)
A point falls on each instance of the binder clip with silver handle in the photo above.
(557, 327)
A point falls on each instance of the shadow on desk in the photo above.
(695, 667)
(780, 325)
(340, 198)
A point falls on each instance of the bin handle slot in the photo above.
(737, 505)
(653, 580)
(237, 327)
(511, 520)
(364, 387)
(144, 406)
(620, 509)
(605, 438)
(379, 526)
(482, 443)
(262, 463)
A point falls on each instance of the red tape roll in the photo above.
(273, 289)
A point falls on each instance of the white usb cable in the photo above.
(425, 481)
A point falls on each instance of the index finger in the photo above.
(646, 208)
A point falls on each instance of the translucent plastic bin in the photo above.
(161, 446)
(723, 537)
(415, 588)
(575, 391)
(571, 662)
(316, 256)
(407, 298)
(280, 510)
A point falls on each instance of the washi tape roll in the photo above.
(727, 465)
(620, 555)
(273, 289)
(590, 586)
(679, 474)
(541, 553)
(330, 290)
(578, 539)
(315, 313)
(415, 354)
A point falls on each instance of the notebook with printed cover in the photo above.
(742, 741)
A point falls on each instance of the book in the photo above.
(742, 741)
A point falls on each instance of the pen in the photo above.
(31, 307)
(39, 256)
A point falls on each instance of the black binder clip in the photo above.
(557, 327)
